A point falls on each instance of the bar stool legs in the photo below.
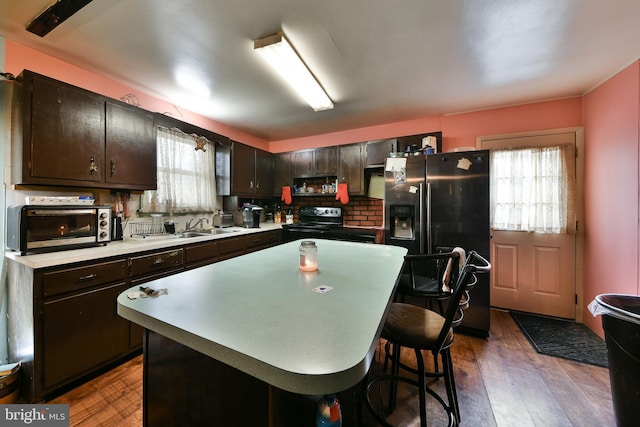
(450, 407)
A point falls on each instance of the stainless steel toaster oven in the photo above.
(33, 228)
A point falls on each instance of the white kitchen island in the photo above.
(261, 328)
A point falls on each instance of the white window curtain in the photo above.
(532, 189)
(186, 175)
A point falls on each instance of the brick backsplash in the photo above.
(360, 211)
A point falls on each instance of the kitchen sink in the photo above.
(188, 234)
(222, 231)
(213, 231)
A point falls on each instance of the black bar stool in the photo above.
(423, 329)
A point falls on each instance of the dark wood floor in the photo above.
(501, 381)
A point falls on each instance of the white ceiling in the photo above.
(381, 61)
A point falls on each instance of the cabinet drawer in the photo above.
(231, 247)
(73, 279)
(262, 240)
(153, 263)
(201, 252)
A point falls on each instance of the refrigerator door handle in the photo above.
(422, 218)
(428, 221)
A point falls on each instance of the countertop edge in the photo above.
(124, 247)
(294, 382)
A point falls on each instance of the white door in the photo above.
(536, 272)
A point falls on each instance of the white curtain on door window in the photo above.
(186, 176)
(533, 189)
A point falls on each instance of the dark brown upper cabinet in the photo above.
(251, 171)
(131, 153)
(60, 133)
(378, 150)
(351, 168)
(281, 172)
(63, 134)
(316, 162)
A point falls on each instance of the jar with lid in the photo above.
(308, 256)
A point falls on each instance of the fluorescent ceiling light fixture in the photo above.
(279, 53)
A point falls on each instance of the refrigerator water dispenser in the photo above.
(402, 222)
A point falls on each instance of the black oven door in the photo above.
(296, 232)
(303, 232)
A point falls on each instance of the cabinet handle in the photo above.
(113, 167)
(93, 167)
(251, 184)
(257, 185)
(85, 278)
(158, 261)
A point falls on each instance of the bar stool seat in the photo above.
(412, 326)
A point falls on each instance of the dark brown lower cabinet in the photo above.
(63, 324)
(182, 386)
(73, 351)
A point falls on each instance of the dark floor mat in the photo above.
(562, 338)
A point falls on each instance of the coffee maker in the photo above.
(251, 215)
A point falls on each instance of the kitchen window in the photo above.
(532, 189)
(186, 174)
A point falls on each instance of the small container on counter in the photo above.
(308, 256)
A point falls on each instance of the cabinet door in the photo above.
(264, 173)
(350, 168)
(325, 161)
(64, 133)
(281, 172)
(130, 147)
(302, 163)
(379, 150)
(243, 164)
(81, 333)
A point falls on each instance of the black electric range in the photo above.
(324, 222)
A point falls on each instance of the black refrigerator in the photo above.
(442, 200)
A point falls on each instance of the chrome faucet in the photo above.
(189, 227)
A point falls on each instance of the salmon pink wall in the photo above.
(612, 123)
(389, 130)
(19, 57)
(461, 130)
(458, 130)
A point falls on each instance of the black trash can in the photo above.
(621, 323)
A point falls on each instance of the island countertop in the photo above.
(261, 315)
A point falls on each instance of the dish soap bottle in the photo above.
(329, 414)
